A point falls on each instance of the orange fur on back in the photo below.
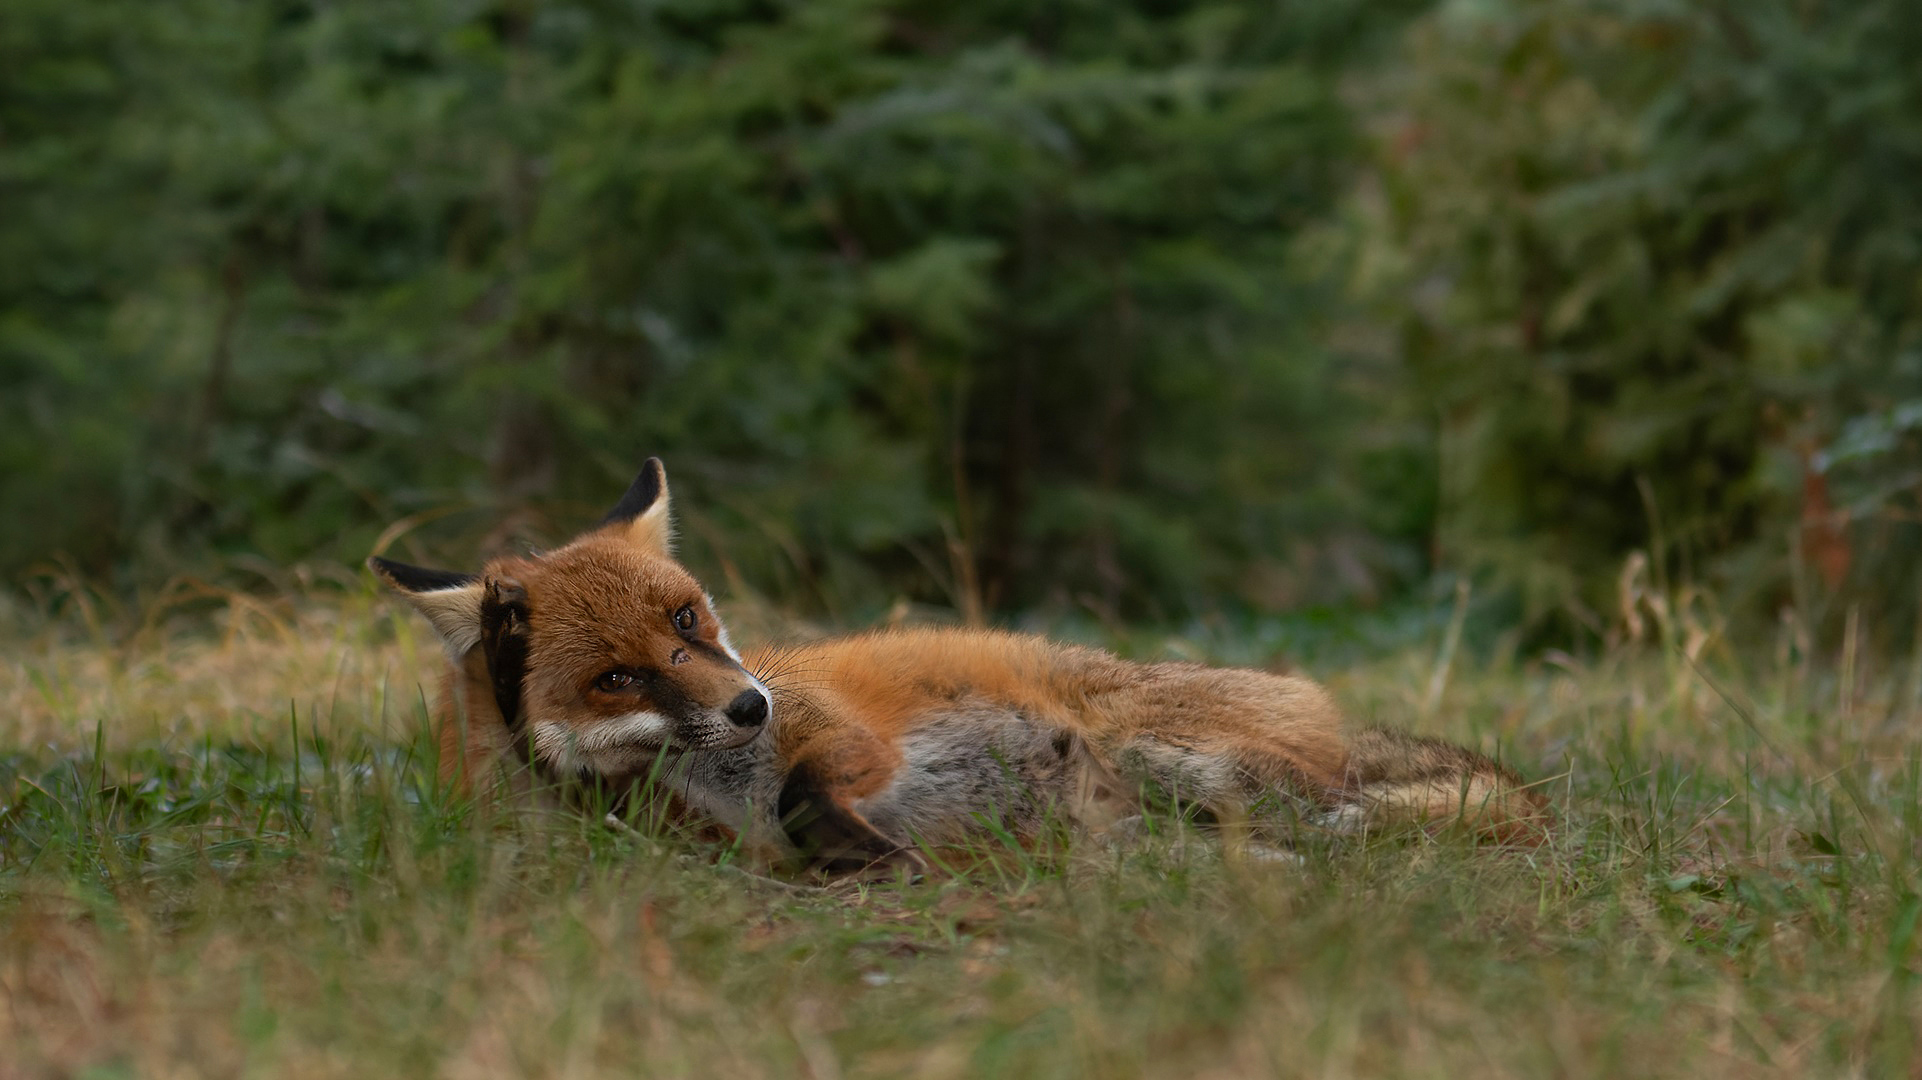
(890, 682)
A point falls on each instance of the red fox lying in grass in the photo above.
(604, 664)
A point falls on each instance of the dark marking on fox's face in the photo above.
(503, 639)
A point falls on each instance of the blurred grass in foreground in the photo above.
(222, 852)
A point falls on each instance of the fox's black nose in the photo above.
(749, 709)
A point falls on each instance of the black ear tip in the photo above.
(653, 474)
(648, 486)
(416, 579)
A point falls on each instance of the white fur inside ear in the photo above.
(653, 530)
(455, 614)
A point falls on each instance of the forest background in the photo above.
(1541, 375)
(1131, 310)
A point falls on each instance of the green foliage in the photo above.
(995, 291)
(1664, 268)
(1007, 305)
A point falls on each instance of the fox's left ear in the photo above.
(642, 514)
(452, 602)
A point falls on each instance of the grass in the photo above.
(222, 853)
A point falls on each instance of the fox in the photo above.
(603, 665)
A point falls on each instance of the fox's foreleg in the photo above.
(830, 767)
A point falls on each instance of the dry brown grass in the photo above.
(1733, 893)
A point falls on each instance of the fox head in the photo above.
(604, 652)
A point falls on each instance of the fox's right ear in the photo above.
(642, 514)
(452, 602)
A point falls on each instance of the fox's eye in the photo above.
(610, 681)
(684, 619)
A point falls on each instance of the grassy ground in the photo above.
(222, 853)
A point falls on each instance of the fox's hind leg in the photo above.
(1229, 786)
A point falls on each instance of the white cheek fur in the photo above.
(567, 747)
(626, 732)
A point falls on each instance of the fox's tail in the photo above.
(1395, 777)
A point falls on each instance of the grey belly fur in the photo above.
(978, 761)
